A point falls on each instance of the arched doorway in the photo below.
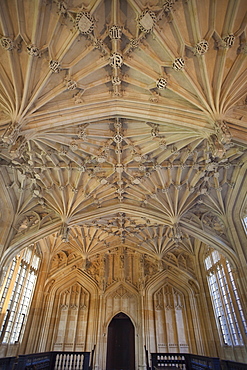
(120, 344)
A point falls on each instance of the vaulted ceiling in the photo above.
(122, 122)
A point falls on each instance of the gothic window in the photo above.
(16, 294)
(225, 298)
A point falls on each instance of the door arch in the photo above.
(120, 344)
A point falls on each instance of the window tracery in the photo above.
(17, 291)
(228, 309)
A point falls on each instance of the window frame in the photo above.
(226, 303)
(16, 294)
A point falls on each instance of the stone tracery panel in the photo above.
(123, 264)
(172, 332)
(122, 299)
(72, 312)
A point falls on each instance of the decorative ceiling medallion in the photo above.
(116, 60)
(228, 40)
(70, 84)
(178, 64)
(225, 42)
(33, 50)
(118, 138)
(116, 80)
(7, 43)
(201, 47)
(115, 32)
(147, 21)
(161, 83)
(134, 43)
(167, 6)
(84, 22)
(55, 66)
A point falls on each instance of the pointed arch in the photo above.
(171, 298)
(68, 322)
(120, 343)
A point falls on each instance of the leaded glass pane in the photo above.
(223, 294)
(25, 272)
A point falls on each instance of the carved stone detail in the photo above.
(121, 292)
(116, 80)
(214, 222)
(147, 21)
(31, 220)
(93, 269)
(223, 132)
(115, 32)
(161, 83)
(228, 40)
(33, 50)
(82, 132)
(181, 259)
(78, 97)
(168, 5)
(16, 149)
(7, 43)
(201, 47)
(64, 232)
(118, 138)
(55, 66)
(208, 221)
(221, 140)
(11, 134)
(155, 129)
(178, 64)
(116, 60)
(84, 22)
(134, 43)
(155, 98)
(70, 84)
(150, 268)
(99, 44)
(73, 145)
(62, 7)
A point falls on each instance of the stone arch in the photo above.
(120, 297)
(63, 281)
(124, 295)
(67, 313)
(204, 236)
(124, 313)
(22, 241)
(53, 224)
(171, 297)
(120, 343)
(226, 252)
(72, 319)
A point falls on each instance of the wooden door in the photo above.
(120, 344)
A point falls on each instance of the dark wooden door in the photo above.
(120, 344)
